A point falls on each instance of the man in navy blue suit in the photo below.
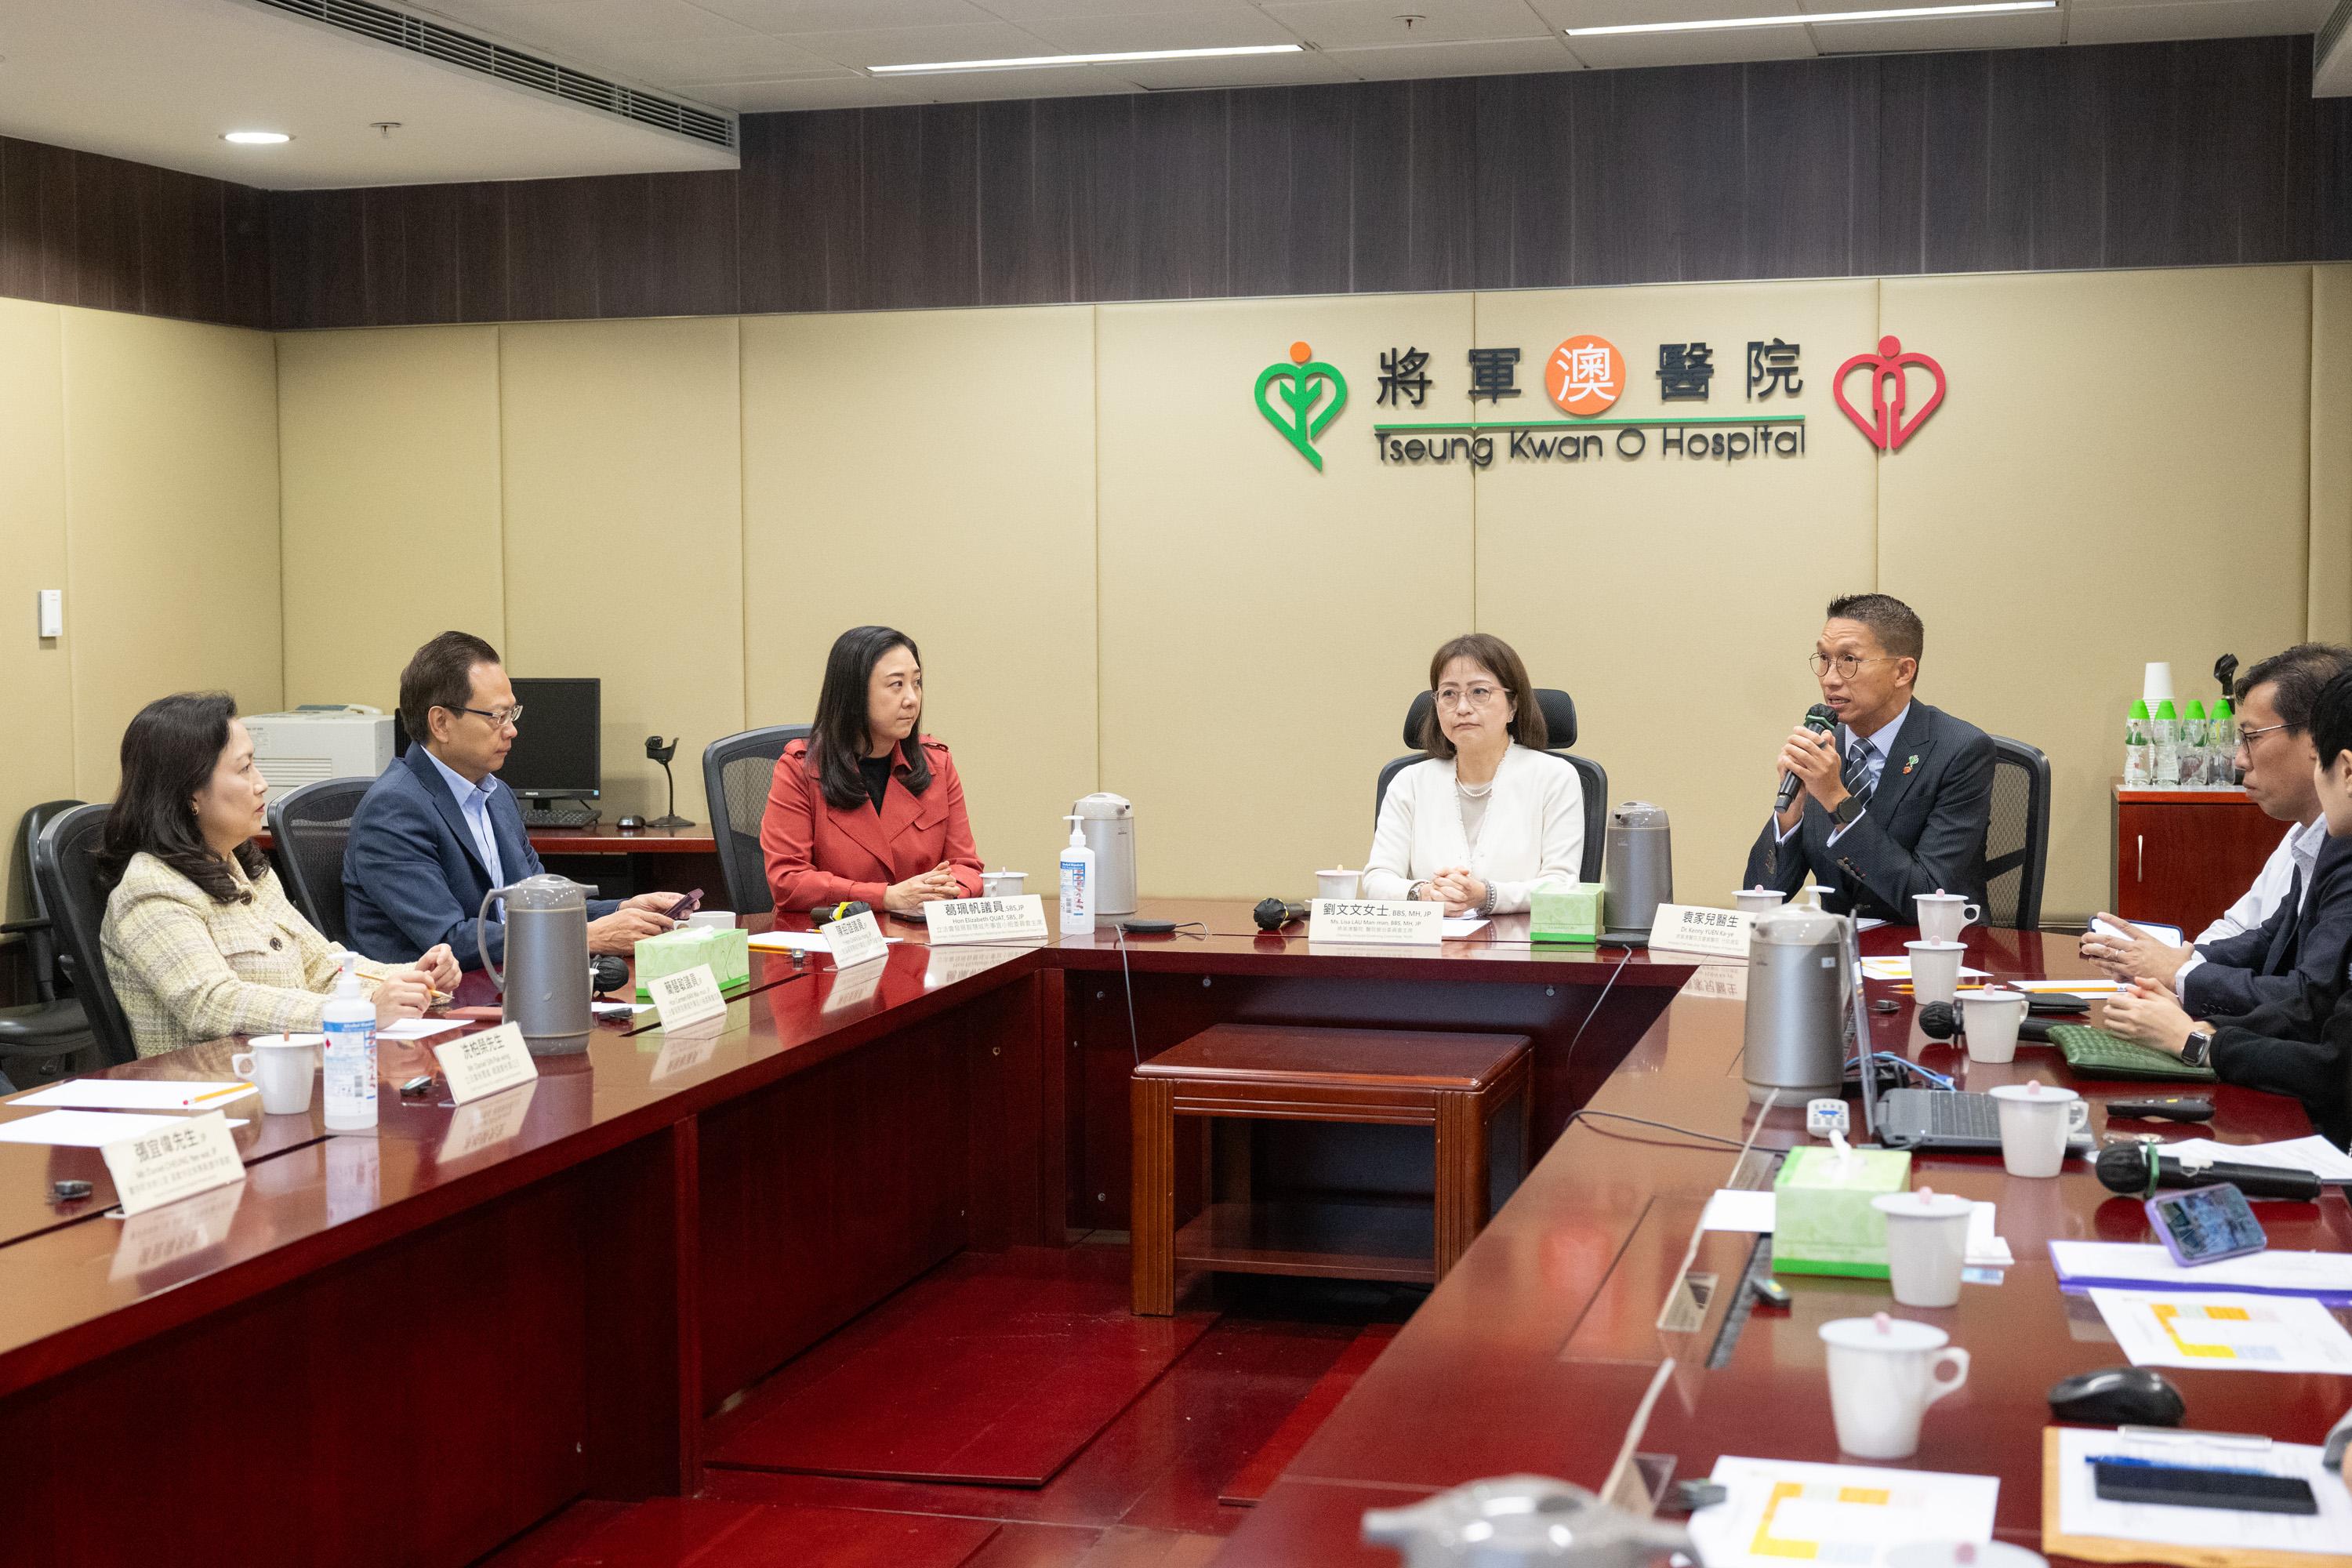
(438, 831)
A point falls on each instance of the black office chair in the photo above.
(2017, 838)
(1559, 725)
(309, 826)
(66, 872)
(736, 773)
(37, 1042)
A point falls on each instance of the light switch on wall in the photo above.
(53, 612)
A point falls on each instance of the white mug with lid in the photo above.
(2034, 1120)
(1926, 1244)
(1989, 1019)
(1341, 883)
(1883, 1377)
(282, 1066)
(1944, 916)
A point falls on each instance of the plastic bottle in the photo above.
(1077, 882)
(2166, 764)
(2221, 745)
(350, 1025)
(2137, 759)
(2192, 746)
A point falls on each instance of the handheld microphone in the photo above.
(1273, 914)
(1941, 1021)
(1821, 719)
(2138, 1170)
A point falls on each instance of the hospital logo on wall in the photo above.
(1888, 424)
(1585, 375)
(1309, 394)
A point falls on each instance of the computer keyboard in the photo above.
(559, 816)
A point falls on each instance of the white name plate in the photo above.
(855, 941)
(954, 920)
(689, 996)
(151, 1169)
(1690, 928)
(476, 1065)
(1400, 922)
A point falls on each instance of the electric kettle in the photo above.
(1797, 992)
(545, 987)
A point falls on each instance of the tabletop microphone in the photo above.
(1273, 914)
(2138, 1169)
(826, 914)
(1821, 718)
(1941, 1021)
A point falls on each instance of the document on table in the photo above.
(2127, 1265)
(85, 1129)
(2215, 1331)
(1900, 968)
(2082, 1512)
(138, 1094)
(417, 1028)
(798, 941)
(1780, 1509)
(2313, 1153)
(1463, 925)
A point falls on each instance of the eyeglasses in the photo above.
(1479, 696)
(1849, 665)
(500, 718)
(2246, 736)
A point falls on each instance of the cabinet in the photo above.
(2183, 855)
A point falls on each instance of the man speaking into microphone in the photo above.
(1884, 797)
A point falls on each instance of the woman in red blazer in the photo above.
(868, 807)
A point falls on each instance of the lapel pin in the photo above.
(1910, 761)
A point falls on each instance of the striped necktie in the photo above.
(1857, 780)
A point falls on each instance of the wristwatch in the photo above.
(1849, 811)
(2199, 1047)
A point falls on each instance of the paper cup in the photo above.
(1935, 970)
(715, 920)
(1756, 901)
(1339, 884)
(2155, 686)
(2033, 1122)
(1944, 916)
(1881, 1380)
(1927, 1242)
(1989, 1021)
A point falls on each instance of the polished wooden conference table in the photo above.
(412, 1346)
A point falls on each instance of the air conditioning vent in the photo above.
(2331, 55)
(435, 40)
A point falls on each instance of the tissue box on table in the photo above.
(727, 952)
(1822, 1222)
(1571, 913)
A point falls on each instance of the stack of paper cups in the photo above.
(2157, 685)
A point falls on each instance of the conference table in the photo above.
(413, 1346)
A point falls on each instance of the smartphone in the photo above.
(2169, 935)
(686, 905)
(2205, 1224)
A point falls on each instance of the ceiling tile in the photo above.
(1549, 53)
(1304, 69)
(1162, 30)
(913, 46)
(848, 90)
(2029, 30)
(1563, 13)
(850, 15)
(1024, 11)
(2116, 24)
(1369, 24)
(670, 62)
(1623, 50)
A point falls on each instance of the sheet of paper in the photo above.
(85, 1129)
(1779, 1510)
(1463, 925)
(2313, 1153)
(2299, 1273)
(2082, 1511)
(417, 1028)
(1900, 968)
(1987, 1249)
(798, 941)
(139, 1094)
(1737, 1208)
(2215, 1331)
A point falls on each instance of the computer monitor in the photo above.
(558, 747)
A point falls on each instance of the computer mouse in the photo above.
(2117, 1396)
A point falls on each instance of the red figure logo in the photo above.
(1887, 427)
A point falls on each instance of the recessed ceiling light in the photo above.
(1037, 62)
(1805, 19)
(257, 138)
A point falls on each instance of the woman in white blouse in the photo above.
(1491, 816)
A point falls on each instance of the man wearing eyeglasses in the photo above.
(438, 831)
(1895, 800)
(2291, 929)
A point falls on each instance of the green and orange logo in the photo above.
(1311, 392)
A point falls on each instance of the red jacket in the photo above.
(817, 853)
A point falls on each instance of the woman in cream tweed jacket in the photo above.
(200, 940)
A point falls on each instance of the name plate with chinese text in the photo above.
(689, 996)
(1399, 922)
(476, 1065)
(987, 919)
(856, 940)
(151, 1169)
(1689, 928)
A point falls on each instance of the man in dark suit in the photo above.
(438, 831)
(2300, 941)
(1895, 800)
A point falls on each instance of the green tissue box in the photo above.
(727, 952)
(1823, 1221)
(1565, 914)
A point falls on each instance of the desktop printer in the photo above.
(319, 740)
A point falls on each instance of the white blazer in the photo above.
(1532, 834)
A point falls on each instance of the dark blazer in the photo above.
(2300, 1047)
(412, 877)
(818, 853)
(2300, 948)
(1925, 830)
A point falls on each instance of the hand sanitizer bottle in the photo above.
(2136, 759)
(1077, 883)
(2166, 763)
(350, 1024)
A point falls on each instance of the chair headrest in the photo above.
(1559, 716)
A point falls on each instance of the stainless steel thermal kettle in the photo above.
(1108, 823)
(1797, 996)
(1520, 1521)
(545, 986)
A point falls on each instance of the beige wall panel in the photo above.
(1264, 624)
(934, 471)
(1673, 598)
(2119, 473)
(388, 452)
(623, 483)
(171, 522)
(38, 762)
(2330, 613)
